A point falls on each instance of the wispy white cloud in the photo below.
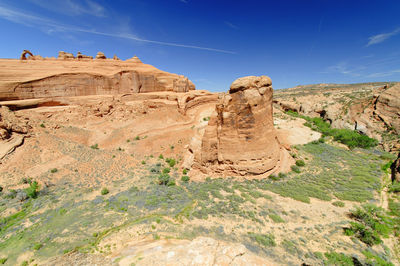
(50, 26)
(231, 25)
(382, 37)
(343, 68)
(72, 7)
(383, 74)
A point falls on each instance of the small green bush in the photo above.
(394, 187)
(42, 125)
(95, 146)
(26, 180)
(171, 162)
(163, 179)
(276, 218)
(32, 190)
(143, 162)
(166, 170)
(300, 163)
(105, 191)
(3, 260)
(37, 246)
(161, 157)
(185, 171)
(282, 175)
(295, 169)
(137, 138)
(266, 240)
(274, 177)
(54, 170)
(334, 258)
(338, 203)
(185, 178)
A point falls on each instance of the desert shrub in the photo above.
(372, 223)
(95, 146)
(338, 203)
(54, 170)
(161, 157)
(394, 187)
(334, 258)
(300, 163)
(282, 175)
(42, 125)
(276, 218)
(137, 138)
(171, 162)
(185, 178)
(265, 240)
(274, 177)
(3, 260)
(386, 166)
(33, 190)
(164, 179)
(373, 259)
(166, 170)
(185, 171)
(37, 246)
(105, 191)
(295, 169)
(143, 162)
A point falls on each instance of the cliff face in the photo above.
(372, 109)
(28, 79)
(240, 138)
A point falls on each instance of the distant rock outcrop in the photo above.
(24, 53)
(80, 77)
(100, 55)
(240, 137)
(387, 107)
(82, 56)
(63, 55)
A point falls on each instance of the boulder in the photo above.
(240, 137)
(100, 55)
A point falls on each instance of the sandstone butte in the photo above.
(37, 77)
(240, 138)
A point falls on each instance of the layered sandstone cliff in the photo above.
(69, 76)
(240, 138)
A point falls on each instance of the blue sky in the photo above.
(214, 42)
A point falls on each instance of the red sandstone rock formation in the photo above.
(240, 137)
(30, 79)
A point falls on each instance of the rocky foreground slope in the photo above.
(38, 77)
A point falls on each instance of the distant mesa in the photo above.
(80, 75)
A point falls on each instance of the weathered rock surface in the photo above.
(387, 107)
(200, 251)
(372, 109)
(31, 79)
(240, 137)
